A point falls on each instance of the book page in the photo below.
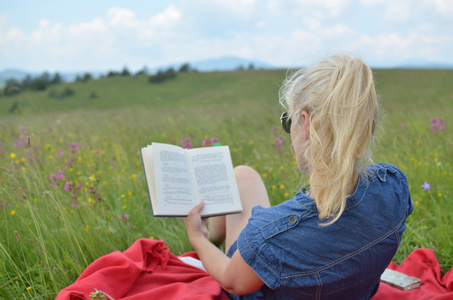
(214, 182)
(173, 187)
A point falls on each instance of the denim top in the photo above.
(298, 259)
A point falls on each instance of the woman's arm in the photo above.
(234, 275)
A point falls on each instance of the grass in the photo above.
(49, 235)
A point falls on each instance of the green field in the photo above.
(72, 187)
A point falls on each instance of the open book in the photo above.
(178, 179)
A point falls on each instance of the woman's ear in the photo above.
(305, 120)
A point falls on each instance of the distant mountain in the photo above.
(423, 64)
(226, 63)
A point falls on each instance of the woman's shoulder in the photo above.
(382, 171)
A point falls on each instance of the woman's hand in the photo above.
(195, 225)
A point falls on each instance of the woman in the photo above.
(335, 240)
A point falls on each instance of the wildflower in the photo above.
(403, 126)
(122, 195)
(286, 195)
(99, 198)
(440, 194)
(73, 204)
(125, 216)
(13, 155)
(426, 186)
(59, 153)
(79, 186)
(282, 186)
(203, 143)
(186, 144)
(29, 288)
(67, 187)
(129, 193)
(437, 124)
(87, 228)
(74, 147)
(213, 141)
(12, 213)
(274, 187)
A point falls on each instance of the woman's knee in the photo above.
(246, 172)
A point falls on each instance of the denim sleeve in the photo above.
(256, 252)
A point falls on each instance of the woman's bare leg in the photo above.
(252, 193)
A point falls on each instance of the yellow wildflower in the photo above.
(29, 288)
(440, 194)
(87, 227)
(125, 206)
(50, 156)
(129, 193)
(13, 212)
(122, 195)
(13, 155)
(274, 187)
(286, 195)
(282, 186)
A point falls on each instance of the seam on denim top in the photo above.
(335, 262)
(256, 254)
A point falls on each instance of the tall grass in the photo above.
(72, 187)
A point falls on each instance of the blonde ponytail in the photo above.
(340, 97)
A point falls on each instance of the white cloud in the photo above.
(170, 15)
(444, 7)
(121, 17)
(331, 8)
(280, 32)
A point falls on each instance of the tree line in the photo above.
(45, 80)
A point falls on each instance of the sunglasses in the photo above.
(286, 122)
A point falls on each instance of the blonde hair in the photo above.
(339, 95)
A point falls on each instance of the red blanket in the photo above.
(147, 270)
(421, 263)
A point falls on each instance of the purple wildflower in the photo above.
(125, 216)
(203, 143)
(67, 187)
(73, 204)
(437, 124)
(59, 153)
(74, 147)
(213, 141)
(186, 144)
(426, 186)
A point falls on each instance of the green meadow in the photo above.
(72, 186)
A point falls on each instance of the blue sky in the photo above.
(108, 35)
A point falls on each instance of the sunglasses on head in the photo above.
(286, 122)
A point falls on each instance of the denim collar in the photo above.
(309, 203)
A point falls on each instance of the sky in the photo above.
(55, 35)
